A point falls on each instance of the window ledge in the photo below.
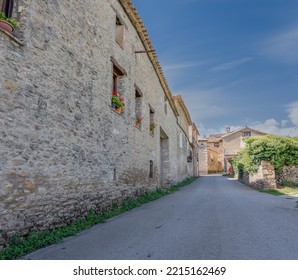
(120, 114)
(15, 40)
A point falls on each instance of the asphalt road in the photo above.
(214, 218)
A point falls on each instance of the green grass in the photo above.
(290, 184)
(271, 191)
(19, 246)
(282, 191)
(287, 188)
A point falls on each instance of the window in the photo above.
(115, 175)
(246, 134)
(138, 107)
(152, 124)
(216, 144)
(7, 7)
(166, 105)
(189, 155)
(151, 169)
(119, 32)
(117, 100)
(181, 140)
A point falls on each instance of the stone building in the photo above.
(203, 156)
(194, 142)
(187, 141)
(220, 148)
(65, 146)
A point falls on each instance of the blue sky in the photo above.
(235, 62)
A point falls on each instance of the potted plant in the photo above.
(123, 104)
(116, 103)
(139, 119)
(152, 126)
(8, 24)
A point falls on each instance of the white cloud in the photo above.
(205, 132)
(293, 113)
(272, 126)
(282, 46)
(231, 64)
(207, 104)
(179, 66)
(284, 123)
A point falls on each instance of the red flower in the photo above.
(139, 118)
(115, 93)
(122, 101)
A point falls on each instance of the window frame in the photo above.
(151, 121)
(246, 134)
(119, 32)
(151, 169)
(7, 7)
(118, 72)
(138, 105)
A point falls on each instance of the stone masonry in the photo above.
(264, 177)
(64, 149)
(288, 173)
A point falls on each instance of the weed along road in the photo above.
(212, 218)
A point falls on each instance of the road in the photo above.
(214, 218)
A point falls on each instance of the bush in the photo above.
(280, 151)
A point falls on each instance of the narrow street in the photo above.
(212, 218)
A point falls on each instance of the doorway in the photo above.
(164, 159)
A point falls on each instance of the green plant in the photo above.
(271, 191)
(152, 126)
(116, 100)
(139, 119)
(289, 184)
(19, 246)
(281, 191)
(12, 21)
(280, 151)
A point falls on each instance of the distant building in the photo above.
(218, 149)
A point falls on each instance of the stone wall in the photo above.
(263, 178)
(289, 173)
(64, 149)
(267, 177)
(214, 161)
(203, 157)
(185, 156)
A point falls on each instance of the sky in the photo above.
(234, 62)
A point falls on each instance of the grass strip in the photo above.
(271, 191)
(282, 191)
(20, 246)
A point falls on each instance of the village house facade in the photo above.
(87, 118)
(187, 141)
(216, 150)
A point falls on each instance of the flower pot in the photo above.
(6, 26)
(118, 109)
(138, 124)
